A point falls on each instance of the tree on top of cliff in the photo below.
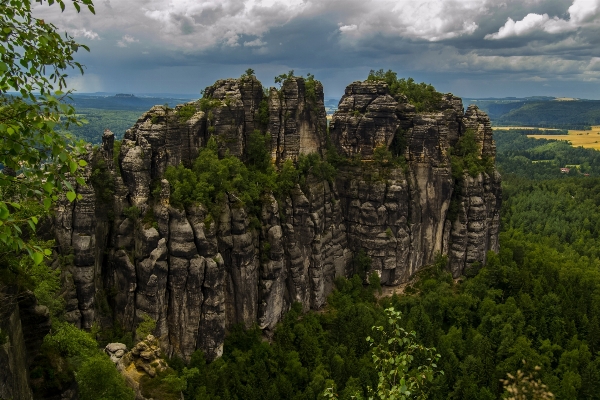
(34, 157)
(422, 95)
(280, 79)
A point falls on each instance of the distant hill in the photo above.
(541, 112)
(123, 101)
(117, 112)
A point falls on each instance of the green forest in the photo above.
(116, 113)
(542, 112)
(542, 158)
(118, 121)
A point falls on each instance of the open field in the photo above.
(523, 128)
(588, 139)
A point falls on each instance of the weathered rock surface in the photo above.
(297, 119)
(144, 360)
(23, 325)
(197, 276)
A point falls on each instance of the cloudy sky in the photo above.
(473, 48)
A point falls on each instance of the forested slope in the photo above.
(541, 112)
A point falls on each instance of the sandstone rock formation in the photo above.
(144, 360)
(197, 276)
(23, 325)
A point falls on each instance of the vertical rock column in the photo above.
(297, 119)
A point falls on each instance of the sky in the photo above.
(472, 48)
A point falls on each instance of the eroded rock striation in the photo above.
(197, 276)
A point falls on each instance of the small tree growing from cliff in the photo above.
(466, 156)
(280, 79)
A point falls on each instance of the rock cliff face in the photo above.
(197, 276)
(402, 220)
(23, 325)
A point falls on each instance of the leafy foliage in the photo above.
(258, 155)
(212, 177)
(186, 112)
(310, 85)
(394, 355)
(69, 341)
(33, 59)
(102, 181)
(466, 156)
(207, 103)
(280, 79)
(248, 73)
(145, 327)
(521, 386)
(98, 379)
(132, 212)
(263, 111)
(423, 96)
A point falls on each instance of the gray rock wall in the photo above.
(197, 277)
(25, 323)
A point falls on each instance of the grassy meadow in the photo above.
(589, 139)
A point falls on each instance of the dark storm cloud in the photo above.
(471, 47)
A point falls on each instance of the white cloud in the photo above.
(255, 43)
(348, 28)
(202, 24)
(85, 33)
(126, 40)
(431, 20)
(581, 13)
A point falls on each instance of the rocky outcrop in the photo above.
(365, 119)
(197, 274)
(23, 325)
(297, 119)
(401, 219)
(143, 361)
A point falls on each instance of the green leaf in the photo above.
(71, 196)
(37, 258)
(48, 187)
(82, 163)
